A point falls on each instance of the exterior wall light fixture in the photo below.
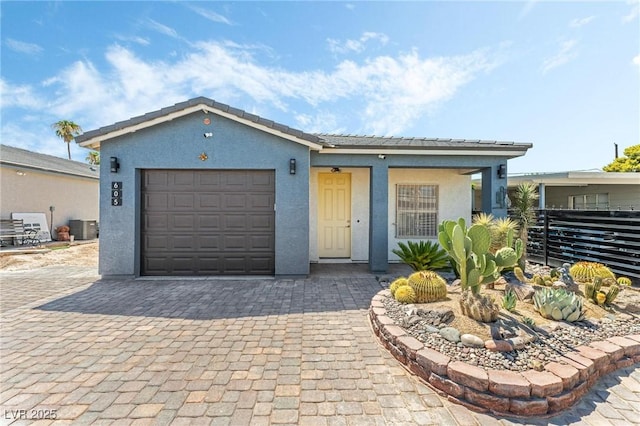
(292, 166)
(114, 165)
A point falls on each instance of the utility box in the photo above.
(83, 229)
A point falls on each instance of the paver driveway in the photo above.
(223, 352)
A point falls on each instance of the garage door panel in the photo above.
(184, 179)
(158, 179)
(261, 222)
(235, 202)
(261, 242)
(211, 243)
(184, 243)
(183, 221)
(156, 241)
(155, 221)
(261, 201)
(210, 201)
(156, 201)
(208, 222)
(235, 242)
(182, 202)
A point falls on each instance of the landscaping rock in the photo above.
(451, 334)
(472, 341)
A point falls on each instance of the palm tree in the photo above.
(93, 158)
(67, 131)
(524, 210)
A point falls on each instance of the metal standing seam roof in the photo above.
(22, 158)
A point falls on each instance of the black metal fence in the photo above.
(568, 236)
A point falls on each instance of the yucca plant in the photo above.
(422, 255)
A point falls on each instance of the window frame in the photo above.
(431, 227)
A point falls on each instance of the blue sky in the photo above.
(564, 76)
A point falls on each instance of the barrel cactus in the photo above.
(479, 307)
(397, 283)
(587, 271)
(405, 294)
(622, 281)
(428, 286)
(558, 304)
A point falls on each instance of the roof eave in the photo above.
(93, 142)
(500, 151)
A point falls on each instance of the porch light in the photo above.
(502, 171)
(292, 166)
(114, 165)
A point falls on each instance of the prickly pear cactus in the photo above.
(506, 257)
(397, 283)
(469, 250)
(479, 307)
(405, 294)
(428, 286)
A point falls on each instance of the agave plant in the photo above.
(558, 304)
(422, 255)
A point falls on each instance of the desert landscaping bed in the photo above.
(506, 367)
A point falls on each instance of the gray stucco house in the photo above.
(201, 188)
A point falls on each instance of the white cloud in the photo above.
(359, 45)
(17, 96)
(161, 28)
(135, 39)
(210, 15)
(320, 122)
(387, 94)
(565, 54)
(579, 22)
(633, 13)
(636, 60)
(23, 47)
(527, 8)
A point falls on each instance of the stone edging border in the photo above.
(504, 392)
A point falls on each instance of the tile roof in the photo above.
(357, 141)
(19, 157)
(321, 139)
(192, 103)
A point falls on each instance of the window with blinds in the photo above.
(416, 211)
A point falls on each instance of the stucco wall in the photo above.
(33, 192)
(620, 196)
(454, 197)
(359, 213)
(177, 145)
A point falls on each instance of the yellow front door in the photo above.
(334, 215)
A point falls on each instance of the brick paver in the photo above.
(227, 352)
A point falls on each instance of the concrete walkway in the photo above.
(242, 352)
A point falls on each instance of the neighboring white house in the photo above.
(31, 182)
(580, 190)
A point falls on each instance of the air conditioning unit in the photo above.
(83, 229)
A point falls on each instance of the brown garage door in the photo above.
(208, 222)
